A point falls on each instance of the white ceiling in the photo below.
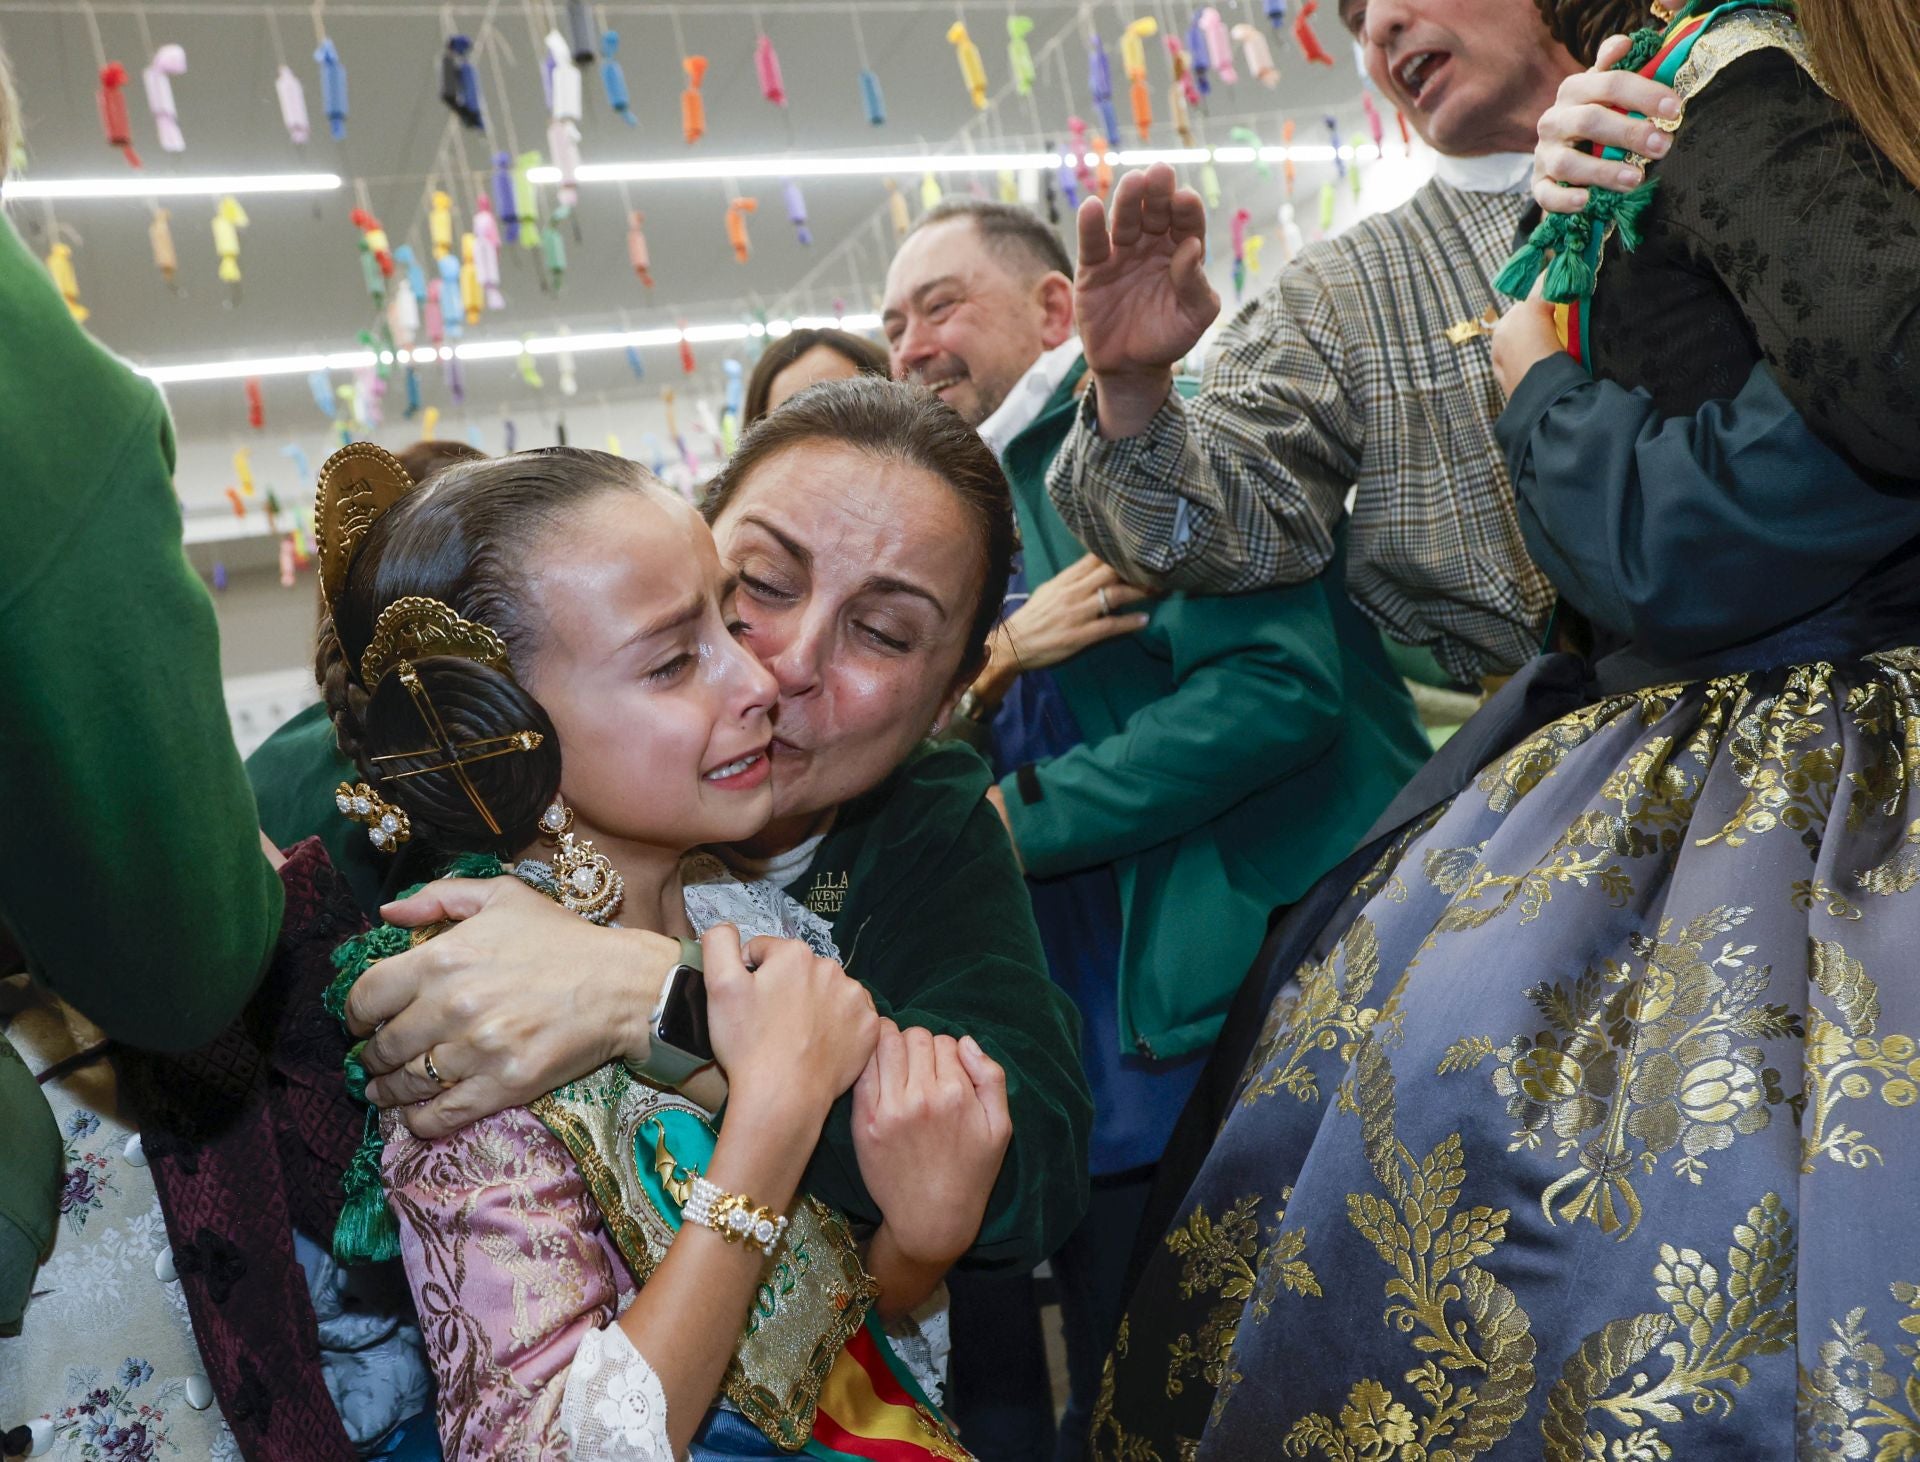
(303, 288)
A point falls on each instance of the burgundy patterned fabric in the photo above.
(247, 1137)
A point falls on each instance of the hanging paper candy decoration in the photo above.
(1209, 184)
(486, 254)
(873, 99)
(1133, 59)
(693, 108)
(687, 364)
(1255, 243)
(1286, 142)
(797, 212)
(1326, 208)
(256, 404)
(243, 470)
(454, 376)
(1183, 77)
(503, 198)
(509, 434)
(581, 31)
(1290, 235)
(1100, 84)
(60, 266)
(160, 237)
(373, 239)
(382, 366)
(333, 88)
(1199, 56)
(472, 298)
(301, 558)
(530, 372)
(293, 103)
(1310, 46)
(403, 258)
(1219, 46)
(168, 62)
(635, 364)
(1259, 55)
(1009, 186)
(1276, 13)
(1179, 115)
(1406, 137)
(286, 563)
(228, 219)
(234, 501)
(219, 577)
(973, 71)
(1102, 164)
(1019, 53)
(556, 257)
(1333, 136)
(563, 145)
(637, 254)
(1238, 229)
(613, 76)
(321, 385)
(766, 62)
(459, 84)
(113, 111)
(1026, 190)
(1082, 169)
(1247, 137)
(1375, 128)
(565, 93)
(433, 315)
(1064, 177)
(897, 209)
(569, 382)
(737, 212)
(403, 310)
(526, 203)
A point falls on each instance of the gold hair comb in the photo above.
(415, 628)
(357, 484)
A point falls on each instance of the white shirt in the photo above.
(1034, 390)
(1497, 172)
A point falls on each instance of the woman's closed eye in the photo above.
(764, 589)
(883, 639)
(669, 670)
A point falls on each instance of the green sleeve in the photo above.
(140, 893)
(1258, 695)
(973, 956)
(30, 1172)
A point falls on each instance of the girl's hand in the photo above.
(789, 1028)
(930, 1127)
(1525, 336)
(1593, 107)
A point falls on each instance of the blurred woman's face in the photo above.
(859, 579)
(822, 363)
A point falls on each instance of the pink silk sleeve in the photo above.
(510, 1267)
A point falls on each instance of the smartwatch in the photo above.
(679, 1044)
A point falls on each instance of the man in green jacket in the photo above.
(1169, 775)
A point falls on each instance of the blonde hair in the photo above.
(1868, 54)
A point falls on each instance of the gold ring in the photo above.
(433, 1072)
(1105, 608)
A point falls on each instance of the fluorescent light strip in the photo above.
(352, 360)
(75, 189)
(64, 189)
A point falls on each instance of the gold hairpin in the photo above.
(357, 484)
(414, 628)
(448, 748)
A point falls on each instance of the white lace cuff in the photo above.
(613, 1407)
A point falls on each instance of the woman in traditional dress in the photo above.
(1585, 1127)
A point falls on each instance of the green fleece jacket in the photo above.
(930, 913)
(134, 886)
(1235, 749)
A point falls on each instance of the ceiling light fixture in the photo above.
(353, 360)
(71, 189)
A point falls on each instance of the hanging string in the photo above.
(319, 26)
(860, 40)
(279, 46)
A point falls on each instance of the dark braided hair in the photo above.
(1581, 25)
(464, 539)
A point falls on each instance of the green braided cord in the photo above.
(1565, 235)
(367, 1231)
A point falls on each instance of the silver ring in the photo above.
(433, 1072)
(1105, 608)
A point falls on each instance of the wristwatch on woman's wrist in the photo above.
(678, 1044)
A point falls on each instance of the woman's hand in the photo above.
(790, 1029)
(930, 1127)
(1079, 606)
(517, 998)
(1593, 107)
(1525, 336)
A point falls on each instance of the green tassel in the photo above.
(1627, 209)
(1524, 267)
(1569, 276)
(1645, 45)
(367, 1231)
